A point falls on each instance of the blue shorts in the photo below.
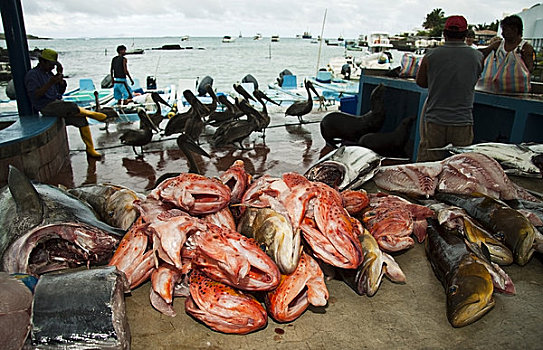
(119, 89)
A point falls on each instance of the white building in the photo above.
(532, 20)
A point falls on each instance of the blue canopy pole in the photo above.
(19, 58)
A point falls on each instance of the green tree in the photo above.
(434, 22)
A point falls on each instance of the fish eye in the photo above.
(453, 289)
(499, 235)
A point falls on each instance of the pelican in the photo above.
(195, 124)
(188, 147)
(261, 119)
(139, 137)
(240, 90)
(213, 105)
(157, 116)
(235, 131)
(109, 111)
(177, 123)
(216, 118)
(301, 108)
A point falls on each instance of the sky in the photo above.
(287, 18)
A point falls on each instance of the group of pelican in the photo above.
(234, 123)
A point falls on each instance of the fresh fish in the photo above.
(227, 256)
(420, 179)
(223, 308)
(273, 232)
(114, 204)
(237, 179)
(366, 279)
(457, 218)
(505, 223)
(467, 282)
(475, 172)
(80, 310)
(516, 158)
(196, 194)
(348, 167)
(15, 310)
(297, 290)
(43, 228)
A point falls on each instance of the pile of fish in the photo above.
(232, 246)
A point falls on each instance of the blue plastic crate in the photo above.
(348, 104)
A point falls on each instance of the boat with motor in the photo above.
(228, 39)
(258, 36)
(274, 38)
(375, 56)
(184, 38)
(306, 35)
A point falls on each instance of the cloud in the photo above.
(135, 18)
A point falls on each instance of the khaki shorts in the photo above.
(67, 110)
(436, 135)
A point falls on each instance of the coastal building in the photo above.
(532, 19)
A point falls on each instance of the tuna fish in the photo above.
(44, 228)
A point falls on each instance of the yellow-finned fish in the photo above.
(275, 235)
(467, 282)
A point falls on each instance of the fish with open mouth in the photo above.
(44, 229)
(467, 282)
(348, 167)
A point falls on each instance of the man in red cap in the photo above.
(450, 73)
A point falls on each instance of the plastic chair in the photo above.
(86, 85)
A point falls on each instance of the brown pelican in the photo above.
(109, 111)
(234, 131)
(301, 108)
(195, 124)
(176, 124)
(240, 90)
(213, 105)
(139, 137)
(261, 119)
(157, 116)
(188, 147)
(261, 96)
(216, 118)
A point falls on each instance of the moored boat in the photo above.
(228, 39)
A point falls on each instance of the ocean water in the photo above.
(226, 63)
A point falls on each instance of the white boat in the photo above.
(275, 38)
(228, 39)
(185, 38)
(374, 56)
(258, 36)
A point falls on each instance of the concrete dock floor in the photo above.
(408, 316)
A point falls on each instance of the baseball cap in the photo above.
(49, 55)
(456, 24)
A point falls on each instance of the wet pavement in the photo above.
(287, 146)
(409, 316)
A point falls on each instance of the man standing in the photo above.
(450, 73)
(119, 72)
(45, 91)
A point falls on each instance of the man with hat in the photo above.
(45, 91)
(450, 73)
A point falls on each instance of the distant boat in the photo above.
(275, 38)
(258, 36)
(306, 35)
(228, 39)
(185, 38)
(135, 51)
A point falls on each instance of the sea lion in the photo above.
(389, 144)
(339, 127)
